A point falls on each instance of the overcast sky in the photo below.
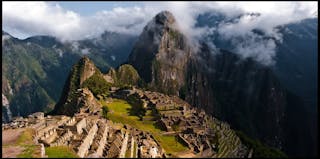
(79, 20)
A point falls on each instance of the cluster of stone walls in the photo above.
(71, 121)
(44, 133)
(84, 147)
(63, 120)
(62, 140)
(102, 142)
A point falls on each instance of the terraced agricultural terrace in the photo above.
(137, 124)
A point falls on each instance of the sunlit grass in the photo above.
(119, 112)
(60, 152)
(30, 149)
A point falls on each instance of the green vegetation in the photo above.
(136, 106)
(126, 75)
(174, 34)
(120, 112)
(128, 153)
(105, 111)
(29, 151)
(25, 137)
(60, 152)
(183, 92)
(74, 81)
(134, 149)
(25, 141)
(69, 92)
(175, 127)
(97, 85)
(259, 149)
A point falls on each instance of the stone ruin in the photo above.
(90, 135)
(191, 126)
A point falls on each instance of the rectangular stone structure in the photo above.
(84, 147)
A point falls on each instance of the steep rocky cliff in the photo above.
(161, 53)
(242, 92)
(125, 75)
(71, 97)
(6, 113)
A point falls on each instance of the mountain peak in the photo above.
(80, 72)
(87, 67)
(165, 17)
(84, 59)
(161, 51)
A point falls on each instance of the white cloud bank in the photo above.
(41, 18)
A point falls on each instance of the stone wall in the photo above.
(81, 124)
(102, 142)
(84, 147)
(124, 146)
(62, 140)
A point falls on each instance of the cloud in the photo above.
(41, 18)
(239, 33)
(272, 14)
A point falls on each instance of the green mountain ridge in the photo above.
(35, 69)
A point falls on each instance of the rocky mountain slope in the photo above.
(73, 96)
(35, 69)
(296, 70)
(160, 55)
(129, 122)
(242, 92)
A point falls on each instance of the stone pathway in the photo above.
(10, 136)
(11, 151)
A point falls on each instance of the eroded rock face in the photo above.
(6, 113)
(88, 102)
(72, 95)
(88, 69)
(161, 53)
(242, 92)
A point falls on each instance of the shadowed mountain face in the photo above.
(243, 92)
(160, 55)
(296, 70)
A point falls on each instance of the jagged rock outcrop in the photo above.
(73, 98)
(124, 75)
(87, 101)
(6, 113)
(161, 53)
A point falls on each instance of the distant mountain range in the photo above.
(35, 69)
